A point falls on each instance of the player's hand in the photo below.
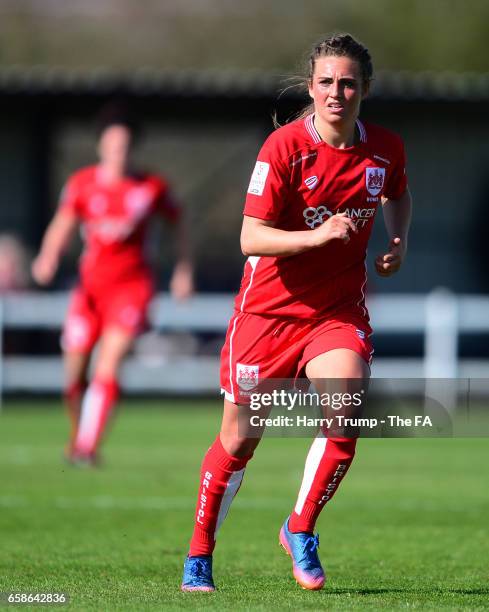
(43, 269)
(182, 281)
(337, 227)
(392, 260)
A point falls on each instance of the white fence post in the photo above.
(441, 347)
(441, 334)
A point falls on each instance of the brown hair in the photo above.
(118, 112)
(336, 45)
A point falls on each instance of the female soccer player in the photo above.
(308, 216)
(114, 204)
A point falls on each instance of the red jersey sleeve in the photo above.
(166, 204)
(69, 199)
(269, 185)
(397, 179)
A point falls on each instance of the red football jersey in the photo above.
(114, 219)
(299, 181)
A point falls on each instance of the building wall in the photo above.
(448, 169)
(207, 148)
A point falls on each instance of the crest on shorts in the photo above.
(247, 376)
(374, 180)
(76, 332)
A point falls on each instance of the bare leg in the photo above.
(75, 367)
(338, 363)
(115, 344)
(233, 437)
(103, 391)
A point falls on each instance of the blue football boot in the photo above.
(197, 574)
(303, 549)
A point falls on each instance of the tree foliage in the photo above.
(230, 34)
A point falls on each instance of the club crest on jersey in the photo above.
(374, 180)
(138, 201)
(316, 216)
(311, 182)
(247, 376)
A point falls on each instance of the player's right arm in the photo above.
(54, 243)
(259, 237)
(266, 201)
(59, 231)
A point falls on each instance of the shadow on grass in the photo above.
(380, 591)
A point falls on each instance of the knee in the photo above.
(237, 446)
(108, 367)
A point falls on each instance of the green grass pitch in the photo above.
(408, 528)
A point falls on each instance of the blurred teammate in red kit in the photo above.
(114, 204)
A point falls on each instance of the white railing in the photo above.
(440, 316)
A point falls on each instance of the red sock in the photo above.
(220, 479)
(97, 406)
(326, 465)
(72, 397)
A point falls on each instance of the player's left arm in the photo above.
(397, 219)
(182, 280)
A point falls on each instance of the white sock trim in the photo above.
(91, 412)
(316, 452)
(229, 494)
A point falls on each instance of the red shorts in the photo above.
(124, 305)
(260, 347)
